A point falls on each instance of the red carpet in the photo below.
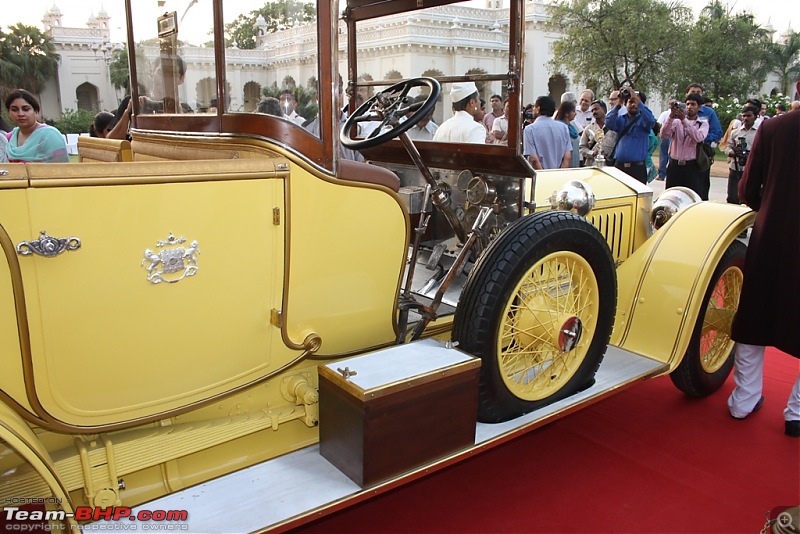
(648, 460)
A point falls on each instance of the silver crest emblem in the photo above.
(172, 264)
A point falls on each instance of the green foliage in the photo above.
(479, 84)
(27, 59)
(784, 60)
(772, 102)
(75, 121)
(119, 70)
(725, 52)
(659, 46)
(278, 15)
(728, 108)
(606, 42)
(307, 98)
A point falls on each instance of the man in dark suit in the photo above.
(770, 185)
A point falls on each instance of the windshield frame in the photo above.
(318, 151)
(323, 152)
(485, 158)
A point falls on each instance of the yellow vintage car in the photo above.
(167, 304)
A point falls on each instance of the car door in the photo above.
(159, 293)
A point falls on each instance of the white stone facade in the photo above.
(451, 40)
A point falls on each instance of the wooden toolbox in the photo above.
(387, 412)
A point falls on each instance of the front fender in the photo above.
(662, 285)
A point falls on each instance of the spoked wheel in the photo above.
(709, 359)
(537, 308)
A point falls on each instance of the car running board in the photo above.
(311, 487)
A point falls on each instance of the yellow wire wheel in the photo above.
(709, 358)
(547, 325)
(537, 308)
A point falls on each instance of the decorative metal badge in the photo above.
(171, 264)
(48, 246)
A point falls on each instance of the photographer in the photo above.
(714, 135)
(632, 121)
(738, 148)
(685, 129)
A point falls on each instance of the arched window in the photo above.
(556, 86)
(86, 95)
(480, 85)
(393, 75)
(252, 95)
(206, 90)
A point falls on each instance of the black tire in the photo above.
(523, 367)
(709, 358)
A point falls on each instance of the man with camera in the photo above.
(685, 130)
(738, 148)
(632, 121)
(714, 135)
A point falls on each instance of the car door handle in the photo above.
(48, 246)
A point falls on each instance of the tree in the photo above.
(725, 52)
(606, 42)
(289, 82)
(784, 60)
(119, 71)
(74, 121)
(27, 59)
(277, 15)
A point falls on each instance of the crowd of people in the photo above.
(622, 133)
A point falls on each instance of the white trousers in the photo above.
(748, 374)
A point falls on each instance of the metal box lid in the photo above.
(400, 367)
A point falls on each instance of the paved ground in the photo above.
(719, 182)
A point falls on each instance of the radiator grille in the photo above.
(611, 224)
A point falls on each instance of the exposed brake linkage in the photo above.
(407, 301)
(441, 199)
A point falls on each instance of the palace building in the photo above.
(451, 40)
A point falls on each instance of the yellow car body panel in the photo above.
(329, 235)
(622, 209)
(662, 285)
(78, 356)
(78, 352)
(13, 324)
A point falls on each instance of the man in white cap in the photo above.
(461, 127)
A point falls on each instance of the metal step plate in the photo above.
(310, 487)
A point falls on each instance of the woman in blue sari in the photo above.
(31, 141)
(5, 132)
(566, 114)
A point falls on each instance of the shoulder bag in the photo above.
(705, 156)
